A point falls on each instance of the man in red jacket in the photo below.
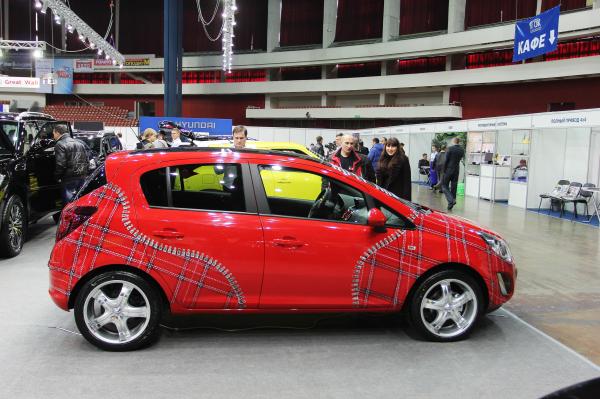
(347, 158)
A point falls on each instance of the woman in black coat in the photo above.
(393, 171)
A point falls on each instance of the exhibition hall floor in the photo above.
(558, 287)
(325, 356)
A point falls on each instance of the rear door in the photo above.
(208, 208)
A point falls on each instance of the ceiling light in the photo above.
(37, 54)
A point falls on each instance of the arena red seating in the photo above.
(109, 115)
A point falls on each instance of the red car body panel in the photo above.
(223, 261)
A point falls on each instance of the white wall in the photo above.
(353, 101)
(419, 143)
(577, 154)
(547, 163)
(594, 162)
(308, 101)
(130, 135)
(434, 98)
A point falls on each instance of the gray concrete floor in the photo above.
(342, 356)
(558, 288)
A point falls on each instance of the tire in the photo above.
(446, 306)
(118, 311)
(14, 227)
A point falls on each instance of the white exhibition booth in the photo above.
(552, 146)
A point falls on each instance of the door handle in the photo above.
(288, 242)
(168, 233)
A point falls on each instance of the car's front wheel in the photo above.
(446, 306)
(14, 226)
(118, 311)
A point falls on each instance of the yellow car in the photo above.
(281, 184)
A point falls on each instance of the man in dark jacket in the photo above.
(440, 161)
(347, 158)
(451, 169)
(319, 149)
(375, 153)
(71, 162)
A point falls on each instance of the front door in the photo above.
(209, 209)
(44, 189)
(316, 239)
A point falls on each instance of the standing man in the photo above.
(347, 158)
(440, 161)
(176, 137)
(319, 150)
(451, 168)
(71, 163)
(240, 135)
(375, 153)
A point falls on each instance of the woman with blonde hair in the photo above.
(393, 170)
(151, 138)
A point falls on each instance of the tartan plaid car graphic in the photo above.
(203, 230)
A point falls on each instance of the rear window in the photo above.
(95, 180)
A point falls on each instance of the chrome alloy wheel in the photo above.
(116, 312)
(15, 227)
(448, 308)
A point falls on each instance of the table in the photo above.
(594, 200)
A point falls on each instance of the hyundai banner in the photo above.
(537, 35)
(200, 125)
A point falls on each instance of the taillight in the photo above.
(73, 216)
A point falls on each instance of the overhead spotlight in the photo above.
(92, 45)
(57, 20)
(99, 51)
(37, 54)
(234, 7)
(107, 57)
(120, 66)
(38, 4)
(70, 28)
(81, 37)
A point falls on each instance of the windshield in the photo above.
(91, 141)
(10, 135)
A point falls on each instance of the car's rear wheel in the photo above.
(446, 306)
(14, 226)
(118, 311)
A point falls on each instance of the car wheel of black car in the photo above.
(446, 306)
(14, 227)
(118, 311)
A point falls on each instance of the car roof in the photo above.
(154, 155)
(271, 145)
(13, 116)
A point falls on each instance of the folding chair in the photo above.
(560, 189)
(571, 196)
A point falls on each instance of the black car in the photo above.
(100, 144)
(28, 188)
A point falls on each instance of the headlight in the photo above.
(498, 245)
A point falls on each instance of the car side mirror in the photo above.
(376, 219)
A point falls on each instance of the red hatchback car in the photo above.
(193, 230)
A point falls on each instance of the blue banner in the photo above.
(63, 68)
(200, 125)
(536, 35)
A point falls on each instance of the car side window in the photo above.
(11, 131)
(211, 187)
(31, 131)
(299, 193)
